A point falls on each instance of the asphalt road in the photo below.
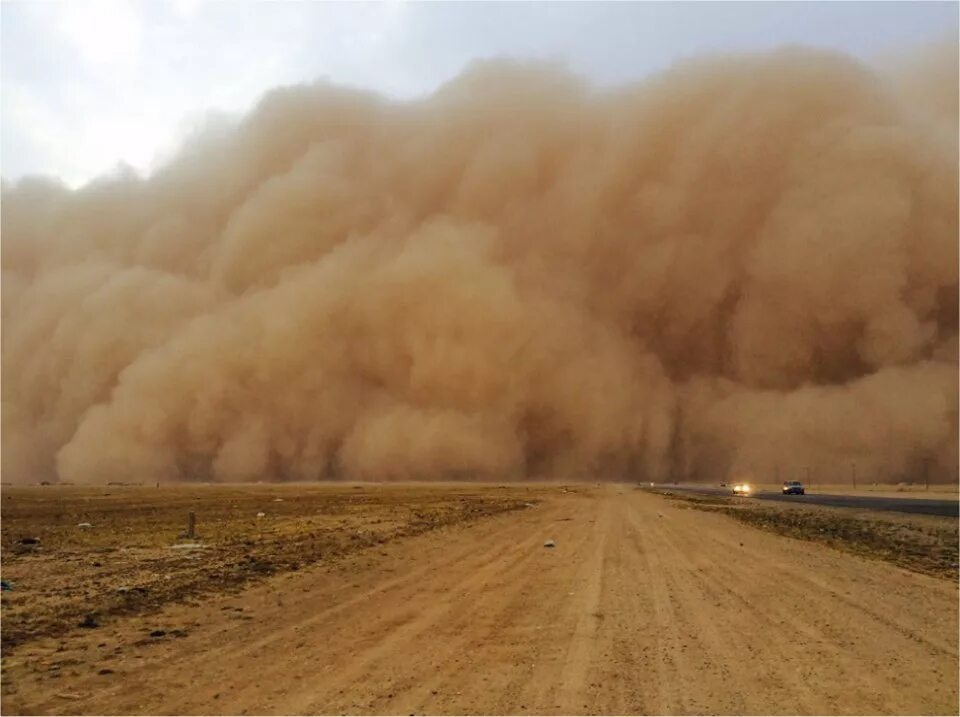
(900, 505)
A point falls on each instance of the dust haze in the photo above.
(742, 263)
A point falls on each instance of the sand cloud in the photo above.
(743, 263)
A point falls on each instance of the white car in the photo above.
(742, 489)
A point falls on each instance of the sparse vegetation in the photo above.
(124, 562)
(923, 544)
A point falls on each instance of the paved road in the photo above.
(900, 505)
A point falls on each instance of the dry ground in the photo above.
(643, 606)
(133, 558)
(922, 543)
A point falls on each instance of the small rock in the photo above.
(105, 671)
(261, 515)
(84, 526)
(550, 544)
(29, 541)
(90, 621)
(158, 633)
(278, 500)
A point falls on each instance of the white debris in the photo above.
(84, 526)
(261, 515)
(550, 544)
(188, 546)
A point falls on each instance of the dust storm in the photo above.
(742, 261)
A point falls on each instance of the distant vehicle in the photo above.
(723, 485)
(742, 489)
(792, 487)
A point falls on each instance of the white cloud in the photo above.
(107, 33)
(186, 9)
(91, 84)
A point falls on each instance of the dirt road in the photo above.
(643, 606)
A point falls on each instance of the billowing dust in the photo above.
(745, 261)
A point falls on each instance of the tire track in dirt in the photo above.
(887, 616)
(493, 591)
(523, 638)
(583, 642)
(706, 646)
(798, 612)
(849, 631)
(404, 615)
(629, 628)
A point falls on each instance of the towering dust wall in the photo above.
(743, 263)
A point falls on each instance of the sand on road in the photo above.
(643, 606)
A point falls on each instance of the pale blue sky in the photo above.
(90, 84)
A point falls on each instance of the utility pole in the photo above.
(853, 474)
(926, 474)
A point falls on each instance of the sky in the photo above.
(88, 86)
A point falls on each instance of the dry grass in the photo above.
(920, 543)
(126, 562)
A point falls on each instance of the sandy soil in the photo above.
(921, 543)
(100, 552)
(642, 607)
